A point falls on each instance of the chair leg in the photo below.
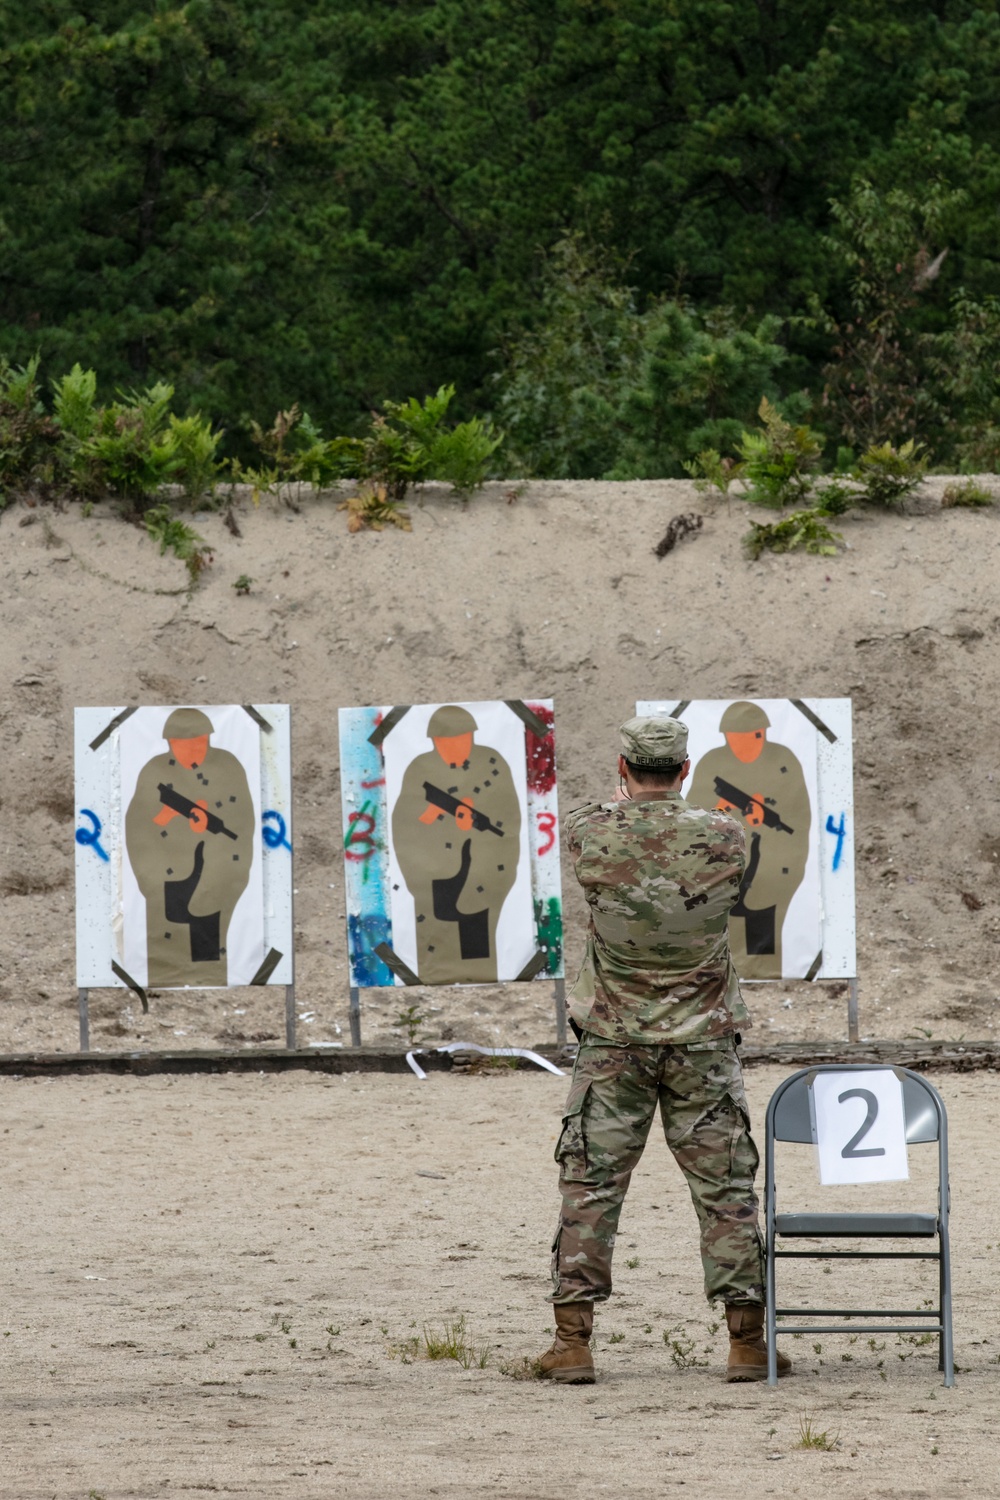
(947, 1363)
(771, 1321)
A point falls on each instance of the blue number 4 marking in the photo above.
(839, 832)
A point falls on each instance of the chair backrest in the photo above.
(789, 1114)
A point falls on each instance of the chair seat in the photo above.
(826, 1226)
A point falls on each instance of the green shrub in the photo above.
(834, 497)
(801, 530)
(966, 359)
(598, 387)
(129, 452)
(780, 460)
(411, 443)
(133, 446)
(406, 444)
(28, 437)
(195, 446)
(461, 457)
(296, 452)
(888, 474)
(74, 402)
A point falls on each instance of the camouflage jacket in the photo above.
(659, 878)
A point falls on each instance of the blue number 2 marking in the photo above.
(274, 838)
(91, 836)
(839, 832)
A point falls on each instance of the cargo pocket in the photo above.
(571, 1149)
(744, 1158)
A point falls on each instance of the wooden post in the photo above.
(290, 1041)
(559, 995)
(354, 1014)
(83, 998)
(852, 1011)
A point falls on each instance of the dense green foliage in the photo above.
(341, 202)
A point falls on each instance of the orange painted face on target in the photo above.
(747, 745)
(190, 753)
(454, 749)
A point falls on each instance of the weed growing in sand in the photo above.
(682, 1348)
(410, 1020)
(182, 539)
(296, 452)
(888, 474)
(801, 529)
(811, 1437)
(633, 1263)
(969, 495)
(521, 1369)
(373, 509)
(406, 1351)
(779, 459)
(243, 583)
(454, 1343)
(617, 1338)
(710, 471)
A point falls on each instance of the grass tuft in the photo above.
(811, 1437)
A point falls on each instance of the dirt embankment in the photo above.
(557, 594)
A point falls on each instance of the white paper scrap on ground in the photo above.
(860, 1127)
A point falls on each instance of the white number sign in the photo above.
(860, 1127)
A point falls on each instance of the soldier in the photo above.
(656, 1009)
(773, 802)
(456, 832)
(189, 835)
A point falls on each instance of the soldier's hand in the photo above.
(198, 819)
(463, 814)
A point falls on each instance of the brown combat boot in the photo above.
(747, 1349)
(570, 1360)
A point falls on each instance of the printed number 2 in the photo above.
(851, 1149)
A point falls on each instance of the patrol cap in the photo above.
(448, 722)
(656, 743)
(743, 718)
(187, 724)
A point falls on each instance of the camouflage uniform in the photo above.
(658, 1005)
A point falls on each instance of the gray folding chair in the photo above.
(790, 1118)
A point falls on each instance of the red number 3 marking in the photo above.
(547, 825)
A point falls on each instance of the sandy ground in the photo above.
(210, 1285)
(553, 593)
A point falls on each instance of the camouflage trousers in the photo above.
(612, 1098)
